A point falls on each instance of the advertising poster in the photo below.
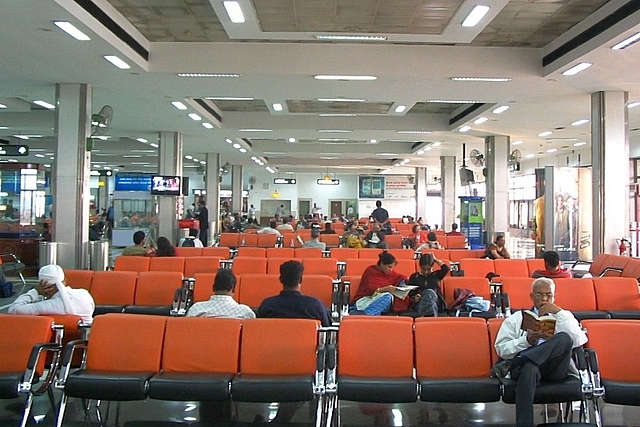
(371, 187)
(572, 205)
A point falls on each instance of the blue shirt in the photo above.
(292, 304)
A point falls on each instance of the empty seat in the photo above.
(167, 264)
(394, 241)
(203, 375)
(131, 263)
(113, 290)
(308, 253)
(78, 279)
(273, 264)
(231, 240)
(454, 242)
(355, 267)
(155, 291)
(578, 296)
(402, 253)
(618, 296)
(476, 267)
(280, 252)
(267, 240)
(203, 264)
(220, 251)
(468, 379)
(456, 255)
(519, 290)
(323, 266)
(369, 253)
(342, 254)
(244, 264)
(252, 251)
(331, 240)
(511, 267)
(188, 252)
(319, 286)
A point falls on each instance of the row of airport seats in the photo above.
(609, 265)
(154, 292)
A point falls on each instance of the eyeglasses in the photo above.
(540, 295)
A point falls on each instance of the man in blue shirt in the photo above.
(290, 302)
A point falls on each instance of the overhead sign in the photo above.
(328, 181)
(285, 181)
(14, 150)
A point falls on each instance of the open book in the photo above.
(402, 291)
(546, 324)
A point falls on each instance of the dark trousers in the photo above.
(204, 236)
(547, 361)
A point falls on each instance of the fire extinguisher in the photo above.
(623, 246)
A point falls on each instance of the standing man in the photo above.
(350, 212)
(203, 217)
(381, 216)
(530, 356)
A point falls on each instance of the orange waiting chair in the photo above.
(466, 381)
(252, 289)
(342, 254)
(579, 297)
(324, 266)
(113, 290)
(511, 267)
(231, 240)
(203, 264)
(167, 264)
(267, 240)
(618, 296)
(519, 291)
(252, 251)
(122, 353)
(203, 287)
(131, 263)
(394, 241)
(479, 285)
(273, 264)
(281, 252)
(268, 373)
(22, 339)
(355, 267)
(155, 291)
(78, 279)
(476, 267)
(308, 253)
(331, 240)
(321, 287)
(224, 252)
(204, 375)
(188, 252)
(245, 264)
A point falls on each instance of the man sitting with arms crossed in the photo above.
(221, 303)
(529, 356)
(552, 268)
(51, 296)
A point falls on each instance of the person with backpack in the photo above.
(191, 241)
(428, 300)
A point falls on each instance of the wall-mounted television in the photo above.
(466, 176)
(163, 185)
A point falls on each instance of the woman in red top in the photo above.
(372, 296)
(417, 238)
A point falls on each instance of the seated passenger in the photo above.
(51, 296)
(328, 229)
(191, 240)
(418, 238)
(375, 238)
(497, 249)
(138, 248)
(454, 231)
(353, 237)
(221, 303)
(271, 229)
(552, 267)
(432, 243)
(529, 356)
(164, 248)
(373, 296)
(291, 303)
(428, 279)
(314, 242)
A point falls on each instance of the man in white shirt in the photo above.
(314, 242)
(221, 303)
(51, 296)
(271, 229)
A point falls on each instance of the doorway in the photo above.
(336, 208)
(304, 207)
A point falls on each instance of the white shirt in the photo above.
(269, 230)
(33, 303)
(221, 306)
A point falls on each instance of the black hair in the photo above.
(315, 232)
(432, 237)
(415, 228)
(225, 280)
(454, 226)
(426, 260)
(138, 237)
(378, 203)
(165, 248)
(193, 232)
(291, 274)
(551, 258)
(385, 258)
(272, 224)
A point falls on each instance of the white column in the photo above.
(236, 188)
(610, 158)
(497, 182)
(448, 193)
(70, 174)
(169, 163)
(421, 192)
(212, 186)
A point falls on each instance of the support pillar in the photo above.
(448, 192)
(610, 158)
(169, 163)
(497, 184)
(212, 186)
(236, 188)
(70, 174)
(421, 192)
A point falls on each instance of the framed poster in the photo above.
(371, 187)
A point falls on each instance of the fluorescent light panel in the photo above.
(210, 75)
(627, 42)
(580, 122)
(633, 104)
(277, 107)
(501, 109)
(577, 68)
(44, 104)
(179, 105)
(464, 129)
(481, 79)
(517, 142)
(451, 101)
(70, 29)
(400, 108)
(2, 106)
(234, 11)
(342, 100)
(229, 98)
(480, 120)
(207, 125)
(348, 37)
(478, 12)
(194, 116)
(117, 62)
(545, 133)
(344, 77)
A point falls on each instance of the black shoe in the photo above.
(501, 369)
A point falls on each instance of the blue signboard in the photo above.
(137, 182)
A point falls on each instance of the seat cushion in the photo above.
(624, 314)
(459, 390)
(154, 310)
(566, 390)
(621, 393)
(269, 388)
(104, 309)
(108, 385)
(182, 386)
(9, 384)
(377, 390)
(590, 314)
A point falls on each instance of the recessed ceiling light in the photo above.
(545, 133)
(348, 37)
(234, 11)
(344, 77)
(334, 131)
(188, 157)
(373, 141)
(70, 29)
(420, 152)
(579, 144)
(2, 106)
(437, 144)
(528, 156)
(242, 150)
(40, 156)
(194, 116)
(44, 104)
(141, 140)
(464, 129)
(255, 130)
(179, 105)
(236, 145)
(577, 68)
(229, 98)
(342, 100)
(413, 131)
(627, 42)
(481, 79)
(633, 104)
(228, 141)
(552, 150)
(580, 122)
(501, 109)
(202, 162)
(291, 140)
(117, 62)
(561, 139)
(277, 107)
(475, 16)
(451, 101)
(25, 137)
(400, 108)
(207, 125)
(518, 142)
(480, 120)
(153, 144)
(210, 75)
(4, 127)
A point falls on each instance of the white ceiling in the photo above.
(276, 56)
